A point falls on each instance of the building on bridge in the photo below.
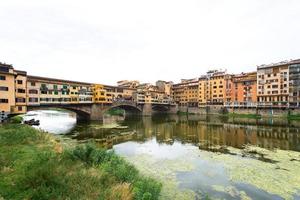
(45, 91)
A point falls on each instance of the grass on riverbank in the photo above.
(33, 165)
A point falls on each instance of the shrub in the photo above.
(146, 188)
(90, 154)
(16, 119)
(122, 170)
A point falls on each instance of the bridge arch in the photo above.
(160, 108)
(128, 108)
(82, 113)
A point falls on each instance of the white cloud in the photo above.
(105, 41)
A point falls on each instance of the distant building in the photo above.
(244, 89)
(273, 84)
(186, 92)
(128, 84)
(294, 83)
(164, 86)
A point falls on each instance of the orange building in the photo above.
(244, 89)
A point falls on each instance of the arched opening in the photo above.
(80, 114)
(123, 110)
(160, 108)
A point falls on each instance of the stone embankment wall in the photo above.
(217, 109)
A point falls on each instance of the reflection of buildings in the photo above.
(207, 134)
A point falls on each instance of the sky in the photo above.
(110, 40)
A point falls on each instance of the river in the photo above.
(197, 157)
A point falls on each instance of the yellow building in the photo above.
(99, 94)
(7, 88)
(186, 93)
(203, 92)
(217, 92)
(74, 93)
(20, 92)
(33, 93)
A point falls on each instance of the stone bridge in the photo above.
(95, 111)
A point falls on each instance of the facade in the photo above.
(216, 85)
(203, 91)
(164, 86)
(20, 92)
(44, 91)
(273, 84)
(214, 88)
(244, 89)
(192, 93)
(294, 84)
(85, 94)
(99, 94)
(7, 88)
(179, 94)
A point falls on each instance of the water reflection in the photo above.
(204, 133)
(53, 121)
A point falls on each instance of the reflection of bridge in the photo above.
(95, 111)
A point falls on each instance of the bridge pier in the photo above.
(147, 109)
(97, 111)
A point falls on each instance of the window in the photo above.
(20, 82)
(2, 78)
(3, 100)
(20, 100)
(4, 69)
(2, 88)
(33, 92)
(20, 108)
(20, 90)
(55, 87)
(32, 83)
(56, 92)
(33, 99)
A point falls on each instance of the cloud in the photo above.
(105, 41)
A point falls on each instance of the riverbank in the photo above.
(245, 115)
(37, 165)
(276, 112)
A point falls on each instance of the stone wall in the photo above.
(242, 110)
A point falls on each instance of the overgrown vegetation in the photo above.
(182, 113)
(16, 119)
(251, 116)
(115, 111)
(294, 117)
(33, 165)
